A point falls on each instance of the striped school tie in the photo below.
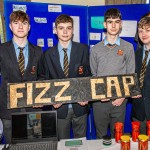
(66, 64)
(143, 70)
(21, 61)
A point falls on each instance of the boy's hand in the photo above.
(118, 102)
(40, 106)
(57, 105)
(105, 100)
(137, 96)
(83, 103)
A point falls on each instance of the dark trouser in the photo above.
(105, 114)
(78, 125)
(142, 125)
(7, 130)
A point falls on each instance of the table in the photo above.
(92, 145)
(96, 145)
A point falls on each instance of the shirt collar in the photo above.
(68, 48)
(117, 42)
(16, 46)
(144, 48)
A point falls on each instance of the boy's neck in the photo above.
(20, 41)
(64, 44)
(112, 38)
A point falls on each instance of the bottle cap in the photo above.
(125, 138)
(143, 137)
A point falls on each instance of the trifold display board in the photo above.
(43, 15)
(131, 14)
(88, 21)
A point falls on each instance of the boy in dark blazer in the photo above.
(140, 108)
(14, 68)
(54, 66)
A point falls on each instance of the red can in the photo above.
(148, 130)
(118, 131)
(142, 142)
(125, 142)
(135, 130)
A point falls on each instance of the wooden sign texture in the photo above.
(70, 90)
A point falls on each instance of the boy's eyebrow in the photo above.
(63, 26)
(111, 19)
(19, 20)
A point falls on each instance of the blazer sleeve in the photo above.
(87, 71)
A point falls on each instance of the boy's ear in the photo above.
(104, 24)
(29, 27)
(10, 27)
(120, 24)
(55, 30)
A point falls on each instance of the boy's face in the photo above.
(19, 29)
(64, 31)
(113, 26)
(144, 35)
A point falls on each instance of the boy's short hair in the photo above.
(144, 23)
(63, 18)
(19, 15)
(112, 13)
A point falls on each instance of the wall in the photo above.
(73, 2)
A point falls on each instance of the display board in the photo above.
(42, 17)
(131, 14)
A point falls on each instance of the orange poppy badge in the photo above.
(120, 52)
(80, 70)
(33, 70)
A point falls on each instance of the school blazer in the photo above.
(50, 68)
(10, 72)
(140, 108)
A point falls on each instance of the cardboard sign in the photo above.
(71, 90)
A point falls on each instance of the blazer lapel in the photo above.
(73, 56)
(31, 53)
(139, 58)
(13, 58)
(56, 59)
(148, 67)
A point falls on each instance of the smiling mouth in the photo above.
(65, 36)
(145, 38)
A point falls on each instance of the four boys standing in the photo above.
(111, 56)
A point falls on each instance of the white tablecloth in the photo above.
(93, 145)
(1, 146)
(96, 145)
